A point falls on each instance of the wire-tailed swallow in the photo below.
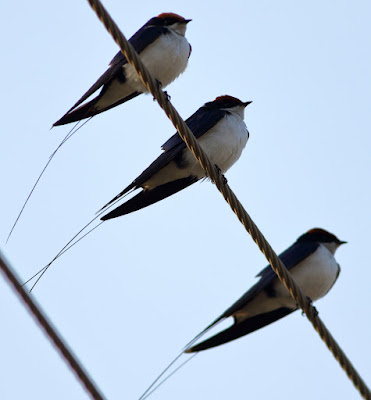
(163, 49)
(311, 262)
(222, 134)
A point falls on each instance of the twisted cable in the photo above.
(49, 330)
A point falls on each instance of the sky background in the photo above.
(134, 292)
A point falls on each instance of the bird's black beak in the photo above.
(186, 21)
(246, 103)
(342, 242)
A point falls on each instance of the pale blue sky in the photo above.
(135, 291)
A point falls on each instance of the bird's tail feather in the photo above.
(148, 197)
(85, 111)
(124, 193)
(240, 329)
(89, 110)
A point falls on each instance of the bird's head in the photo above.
(170, 20)
(322, 236)
(228, 103)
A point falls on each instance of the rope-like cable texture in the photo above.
(229, 196)
(49, 330)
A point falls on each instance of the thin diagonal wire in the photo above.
(50, 331)
(212, 172)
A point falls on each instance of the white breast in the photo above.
(315, 275)
(223, 144)
(166, 58)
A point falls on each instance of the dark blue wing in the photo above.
(290, 257)
(140, 40)
(199, 123)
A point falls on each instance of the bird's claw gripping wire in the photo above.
(225, 180)
(314, 308)
(159, 86)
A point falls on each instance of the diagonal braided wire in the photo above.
(50, 331)
(229, 196)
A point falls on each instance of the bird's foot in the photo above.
(159, 87)
(225, 180)
(159, 84)
(314, 308)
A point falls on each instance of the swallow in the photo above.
(220, 129)
(164, 50)
(311, 262)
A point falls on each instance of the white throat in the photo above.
(179, 28)
(239, 110)
(331, 246)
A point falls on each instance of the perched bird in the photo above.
(163, 49)
(222, 134)
(311, 262)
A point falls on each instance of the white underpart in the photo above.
(332, 246)
(315, 275)
(166, 58)
(223, 144)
